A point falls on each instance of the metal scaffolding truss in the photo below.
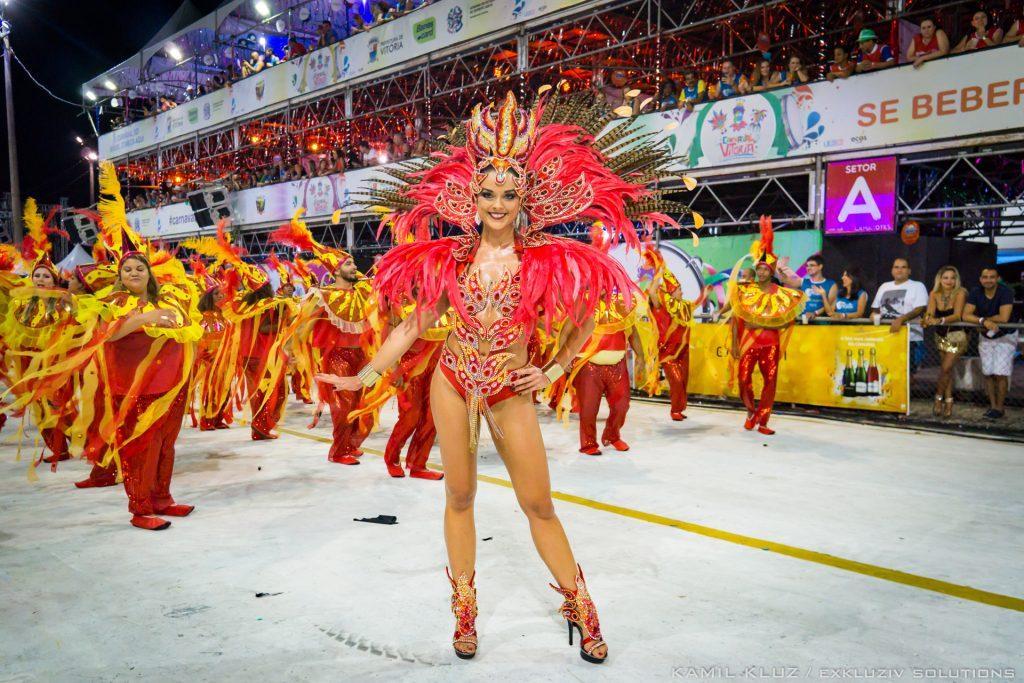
(732, 205)
(967, 192)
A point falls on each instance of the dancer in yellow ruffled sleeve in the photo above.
(762, 317)
(39, 317)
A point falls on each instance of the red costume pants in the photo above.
(348, 434)
(299, 389)
(591, 383)
(266, 411)
(761, 350)
(148, 460)
(414, 420)
(677, 372)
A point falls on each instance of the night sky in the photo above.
(64, 43)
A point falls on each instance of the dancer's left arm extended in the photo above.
(398, 342)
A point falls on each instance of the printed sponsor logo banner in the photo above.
(838, 366)
(860, 196)
(971, 94)
(320, 197)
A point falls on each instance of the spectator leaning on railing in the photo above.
(851, 300)
(270, 58)
(1016, 32)
(694, 90)
(763, 77)
(931, 43)
(900, 302)
(991, 306)
(796, 73)
(873, 54)
(731, 82)
(946, 306)
(981, 35)
(818, 288)
(840, 66)
(252, 65)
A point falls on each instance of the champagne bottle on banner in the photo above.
(874, 377)
(848, 381)
(861, 375)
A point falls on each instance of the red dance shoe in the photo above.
(426, 474)
(94, 483)
(260, 436)
(395, 471)
(618, 444)
(678, 417)
(749, 423)
(149, 523)
(343, 459)
(357, 453)
(765, 430)
(590, 450)
(176, 510)
(50, 459)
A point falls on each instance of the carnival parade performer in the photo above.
(88, 281)
(409, 382)
(762, 317)
(505, 176)
(39, 315)
(335, 330)
(673, 316)
(251, 361)
(134, 345)
(600, 370)
(211, 416)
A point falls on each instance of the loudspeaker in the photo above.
(82, 225)
(209, 205)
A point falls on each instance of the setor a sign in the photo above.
(860, 196)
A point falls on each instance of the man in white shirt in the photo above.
(901, 301)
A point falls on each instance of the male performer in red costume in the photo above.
(600, 371)
(410, 382)
(763, 315)
(672, 315)
(335, 333)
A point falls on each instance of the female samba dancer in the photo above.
(524, 171)
(146, 362)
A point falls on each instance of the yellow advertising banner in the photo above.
(842, 366)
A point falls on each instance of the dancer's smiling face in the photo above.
(497, 203)
(42, 277)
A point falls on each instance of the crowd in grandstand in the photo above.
(688, 88)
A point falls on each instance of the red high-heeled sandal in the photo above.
(465, 611)
(580, 613)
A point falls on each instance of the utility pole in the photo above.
(12, 143)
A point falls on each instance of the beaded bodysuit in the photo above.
(477, 366)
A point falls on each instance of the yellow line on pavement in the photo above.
(884, 573)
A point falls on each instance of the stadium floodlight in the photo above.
(90, 95)
(174, 52)
(109, 84)
(115, 103)
(91, 155)
(79, 140)
(262, 41)
(262, 8)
